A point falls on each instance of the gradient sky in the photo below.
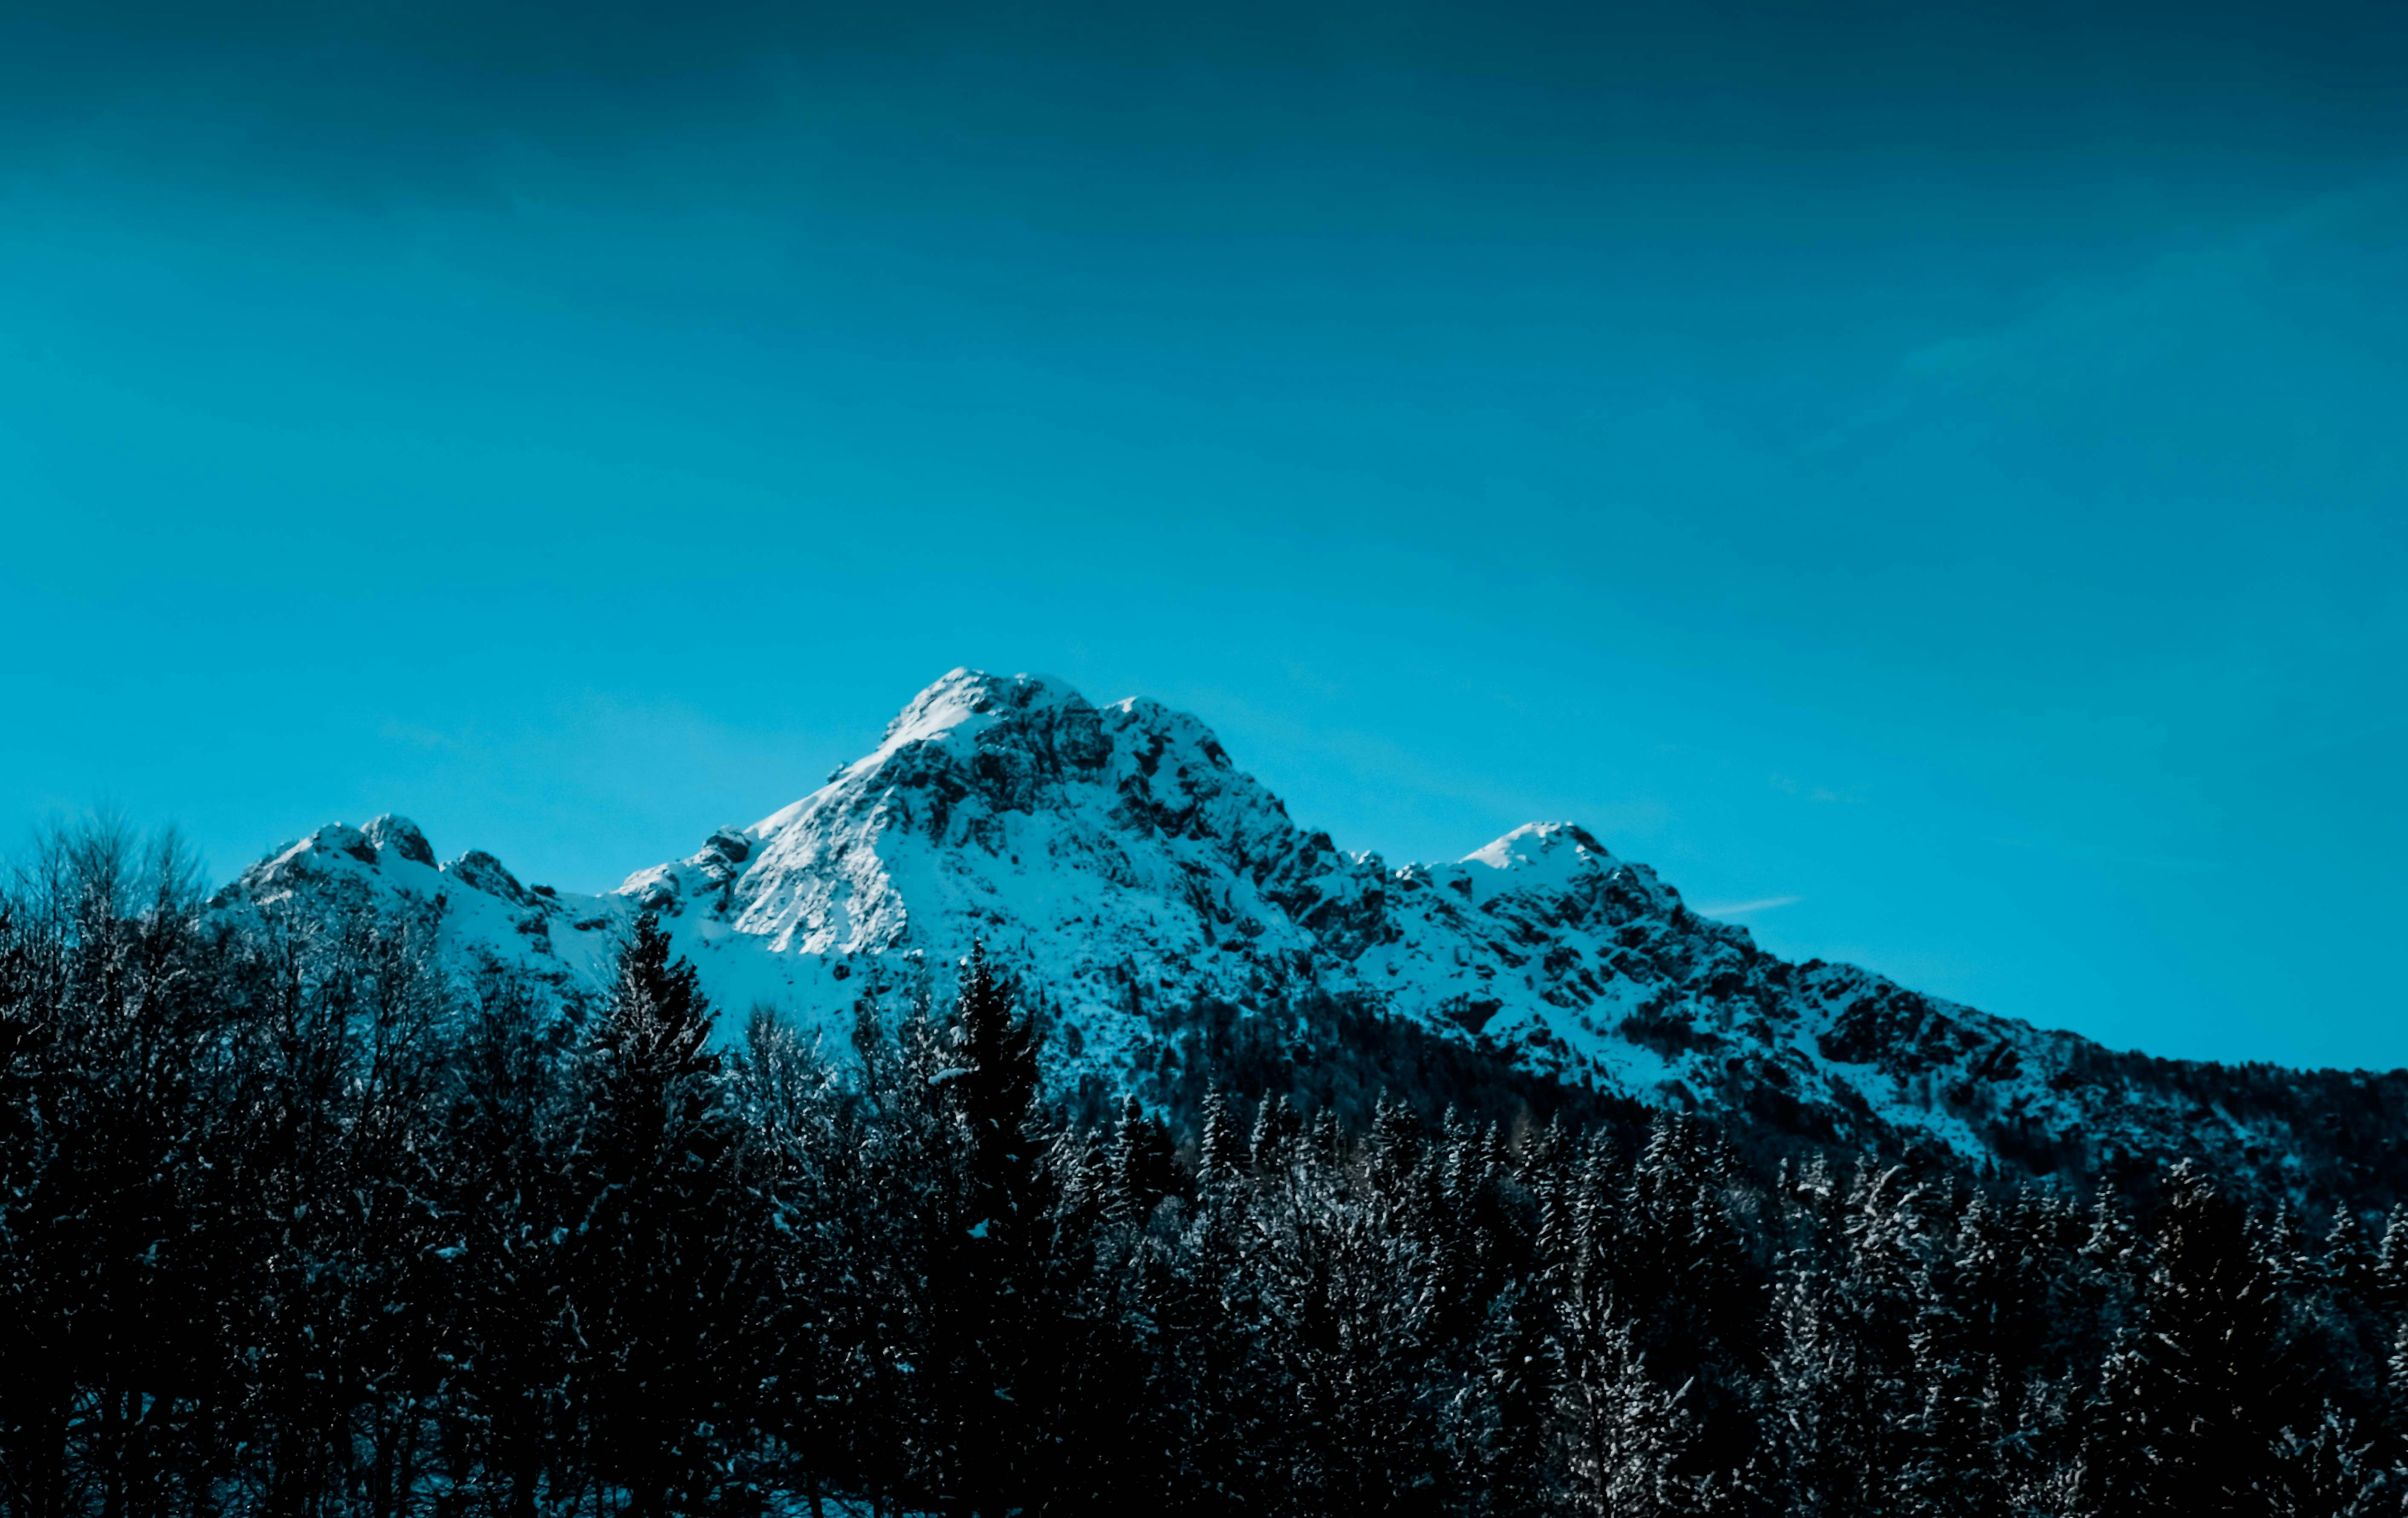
(1933, 479)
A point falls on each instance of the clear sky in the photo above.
(1933, 479)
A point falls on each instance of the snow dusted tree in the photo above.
(2328, 1470)
(2390, 1269)
(109, 1043)
(1216, 1148)
(993, 1263)
(1981, 1325)
(661, 1271)
(1209, 1370)
(505, 1338)
(1142, 1160)
(2192, 1399)
(1346, 1311)
(1842, 1376)
(1622, 1434)
(2348, 1263)
(1273, 1143)
(1501, 1422)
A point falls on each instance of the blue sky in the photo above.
(1934, 474)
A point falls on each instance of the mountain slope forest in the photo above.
(295, 1221)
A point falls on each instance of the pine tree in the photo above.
(1142, 1161)
(1505, 1417)
(1216, 1147)
(659, 1262)
(2394, 1398)
(1276, 1126)
(1622, 1434)
(2191, 1399)
(1976, 1317)
(995, 1093)
(1209, 1370)
(995, 1262)
(504, 1339)
(1396, 1140)
(2326, 1471)
(1680, 1255)
(2390, 1271)
(1842, 1369)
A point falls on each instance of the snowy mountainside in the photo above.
(480, 912)
(1115, 859)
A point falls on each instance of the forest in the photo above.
(295, 1221)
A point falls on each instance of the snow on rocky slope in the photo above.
(1115, 857)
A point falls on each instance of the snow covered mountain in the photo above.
(1118, 861)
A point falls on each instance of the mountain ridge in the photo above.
(1117, 860)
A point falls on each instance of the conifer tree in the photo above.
(658, 1264)
(2348, 1263)
(1216, 1148)
(2327, 1471)
(1142, 1160)
(1842, 1369)
(1276, 1126)
(996, 1259)
(504, 1339)
(1974, 1308)
(1623, 1434)
(1506, 1420)
(2190, 1401)
(2390, 1271)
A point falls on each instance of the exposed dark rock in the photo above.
(481, 871)
(401, 836)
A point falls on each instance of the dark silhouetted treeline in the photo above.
(293, 1223)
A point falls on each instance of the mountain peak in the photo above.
(965, 700)
(1541, 846)
(1119, 863)
(402, 835)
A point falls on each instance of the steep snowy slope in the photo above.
(1115, 858)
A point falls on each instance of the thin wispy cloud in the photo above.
(1821, 794)
(2120, 324)
(2095, 330)
(1741, 908)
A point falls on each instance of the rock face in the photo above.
(1118, 860)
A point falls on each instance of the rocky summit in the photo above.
(1120, 865)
